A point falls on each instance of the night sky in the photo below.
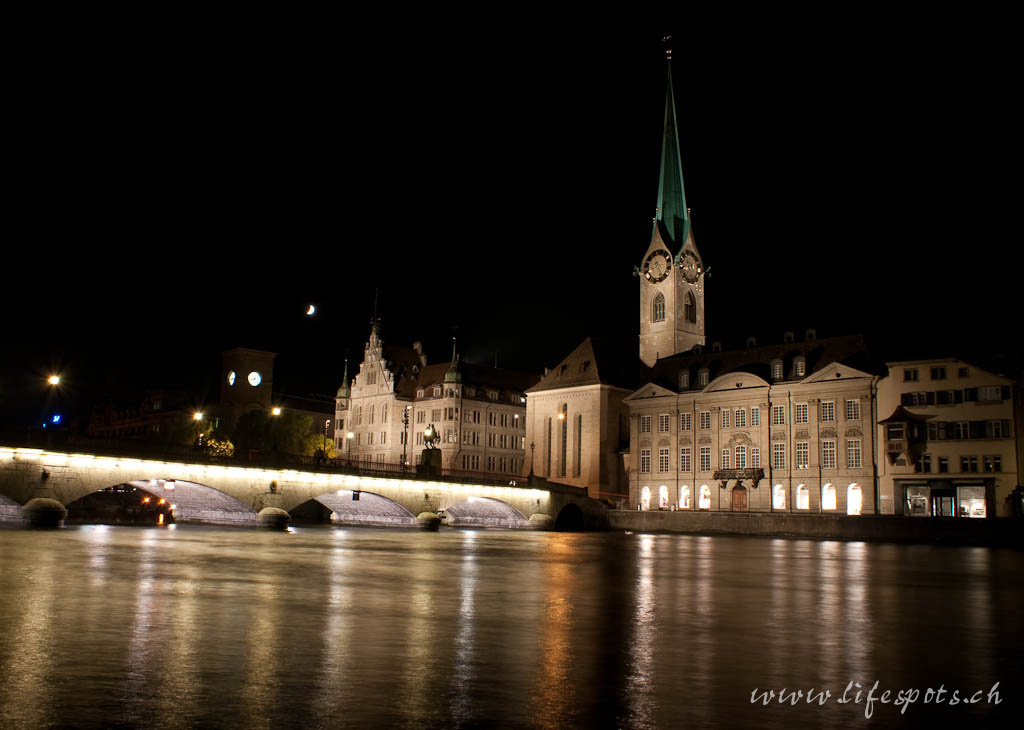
(178, 200)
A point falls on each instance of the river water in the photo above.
(193, 627)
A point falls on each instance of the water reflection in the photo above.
(365, 628)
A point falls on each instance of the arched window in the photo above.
(645, 498)
(803, 497)
(779, 497)
(690, 308)
(800, 366)
(684, 379)
(658, 308)
(828, 497)
(741, 457)
(776, 369)
(663, 497)
(854, 499)
(705, 497)
(684, 497)
(563, 416)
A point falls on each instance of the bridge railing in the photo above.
(261, 460)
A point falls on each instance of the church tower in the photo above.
(672, 272)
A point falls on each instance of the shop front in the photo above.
(947, 498)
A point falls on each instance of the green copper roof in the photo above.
(453, 375)
(672, 215)
(343, 390)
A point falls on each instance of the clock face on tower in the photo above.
(689, 267)
(657, 266)
(231, 378)
(255, 378)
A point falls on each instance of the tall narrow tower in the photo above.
(672, 272)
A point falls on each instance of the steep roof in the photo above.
(672, 216)
(849, 350)
(595, 361)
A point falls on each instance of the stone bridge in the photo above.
(214, 493)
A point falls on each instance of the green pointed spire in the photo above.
(453, 375)
(672, 215)
(343, 391)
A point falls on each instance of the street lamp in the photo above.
(275, 411)
(53, 380)
(327, 422)
(348, 437)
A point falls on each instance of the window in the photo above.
(504, 420)
(705, 419)
(778, 415)
(437, 391)
(938, 373)
(943, 464)
(645, 424)
(684, 379)
(828, 411)
(490, 463)
(705, 458)
(755, 416)
(989, 393)
(909, 375)
(853, 454)
(741, 457)
(755, 458)
(828, 497)
(726, 460)
(997, 429)
(969, 463)
(685, 422)
(779, 455)
(684, 497)
(579, 445)
(690, 308)
(779, 497)
(658, 307)
(684, 459)
(358, 420)
(854, 499)
(740, 418)
(800, 367)
(828, 454)
(565, 440)
(492, 419)
(777, 370)
(663, 460)
(702, 378)
(369, 439)
(800, 413)
(435, 415)
(645, 461)
(725, 417)
(963, 373)
(803, 497)
(924, 464)
(803, 454)
(853, 410)
(993, 463)
(705, 497)
(663, 421)
(421, 416)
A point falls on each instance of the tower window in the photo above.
(658, 308)
(690, 308)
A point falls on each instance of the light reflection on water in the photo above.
(211, 628)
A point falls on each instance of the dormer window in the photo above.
(800, 367)
(684, 379)
(419, 393)
(437, 391)
(776, 369)
(702, 378)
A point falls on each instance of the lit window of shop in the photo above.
(828, 497)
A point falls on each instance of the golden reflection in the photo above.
(259, 696)
(464, 640)
(26, 667)
(145, 636)
(639, 681)
(332, 689)
(828, 624)
(858, 620)
(421, 644)
(554, 696)
(177, 692)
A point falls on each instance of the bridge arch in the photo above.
(484, 512)
(178, 500)
(356, 507)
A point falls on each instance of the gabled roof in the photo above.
(596, 361)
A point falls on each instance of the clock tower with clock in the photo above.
(247, 382)
(672, 272)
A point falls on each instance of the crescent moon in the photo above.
(311, 310)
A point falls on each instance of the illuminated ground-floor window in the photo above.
(705, 497)
(828, 497)
(803, 497)
(645, 498)
(663, 497)
(779, 497)
(854, 499)
(684, 497)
